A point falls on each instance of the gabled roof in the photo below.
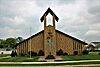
(96, 42)
(71, 37)
(56, 31)
(51, 12)
(30, 37)
(92, 44)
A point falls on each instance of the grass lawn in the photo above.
(4, 55)
(19, 59)
(90, 56)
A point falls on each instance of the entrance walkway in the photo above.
(42, 58)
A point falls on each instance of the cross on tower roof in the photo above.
(51, 12)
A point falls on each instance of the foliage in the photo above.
(32, 53)
(60, 52)
(22, 54)
(1, 52)
(94, 51)
(10, 42)
(3, 44)
(1, 40)
(75, 52)
(50, 57)
(85, 52)
(99, 53)
(65, 53)
(19, 39)
(41, 53)
(13, 54)
(97, 46)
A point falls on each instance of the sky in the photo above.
(78, 18)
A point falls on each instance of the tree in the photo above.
(1, 46)
(98, 46)
(1, 40)
(19, 39)
(3, 43)
(11, 42)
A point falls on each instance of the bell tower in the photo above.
(49, 34)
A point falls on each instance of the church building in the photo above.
(50, 40)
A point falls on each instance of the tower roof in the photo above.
(51, 12)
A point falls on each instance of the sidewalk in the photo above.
(57, 62)
(42, 58)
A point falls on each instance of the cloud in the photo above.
(21, 8)
(94, 10)
(92, 33)
(66, 1)
(79, 18)
(16, 17)
(11, 22)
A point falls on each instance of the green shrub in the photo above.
(65, 53)
(13, 54)
(41, 53)
(94, 50)
(22, 54)
(60, 52)
(85, 52)
(32, 53)
(75, 52)
(99, 53)
(1, 52)
(50, 57)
